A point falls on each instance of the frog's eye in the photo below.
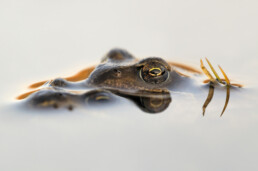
(154, 73)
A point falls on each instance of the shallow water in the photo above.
(42, 40)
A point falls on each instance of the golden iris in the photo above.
(155, 72)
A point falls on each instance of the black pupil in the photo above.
(155, 72)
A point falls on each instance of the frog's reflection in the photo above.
(148, 101)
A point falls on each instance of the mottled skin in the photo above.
(126, 75)
(119, 70)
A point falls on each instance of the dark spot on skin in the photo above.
(70, 107)
(118, 73)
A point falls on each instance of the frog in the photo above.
(147, 82)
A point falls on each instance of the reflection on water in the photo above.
(154, 101)
(150, 102)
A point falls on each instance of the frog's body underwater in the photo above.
(146, 82)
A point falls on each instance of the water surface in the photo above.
(42, 40)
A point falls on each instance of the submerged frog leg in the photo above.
(82, 75)
(182, 74)
(206, 81)
(209, 97)
(228, 90)
(25, 95)
(236, 85)
(37, 84)
(185, 67)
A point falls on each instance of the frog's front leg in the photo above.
(212, 81)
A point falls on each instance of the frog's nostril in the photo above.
(118, 73)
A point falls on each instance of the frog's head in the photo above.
(149, 73)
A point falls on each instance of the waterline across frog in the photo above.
(120, 73)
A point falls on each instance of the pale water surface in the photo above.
(47, 39)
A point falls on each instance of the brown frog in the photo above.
(145, 81)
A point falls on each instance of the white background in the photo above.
(46, 39)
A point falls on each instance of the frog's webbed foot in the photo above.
(217, 80)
